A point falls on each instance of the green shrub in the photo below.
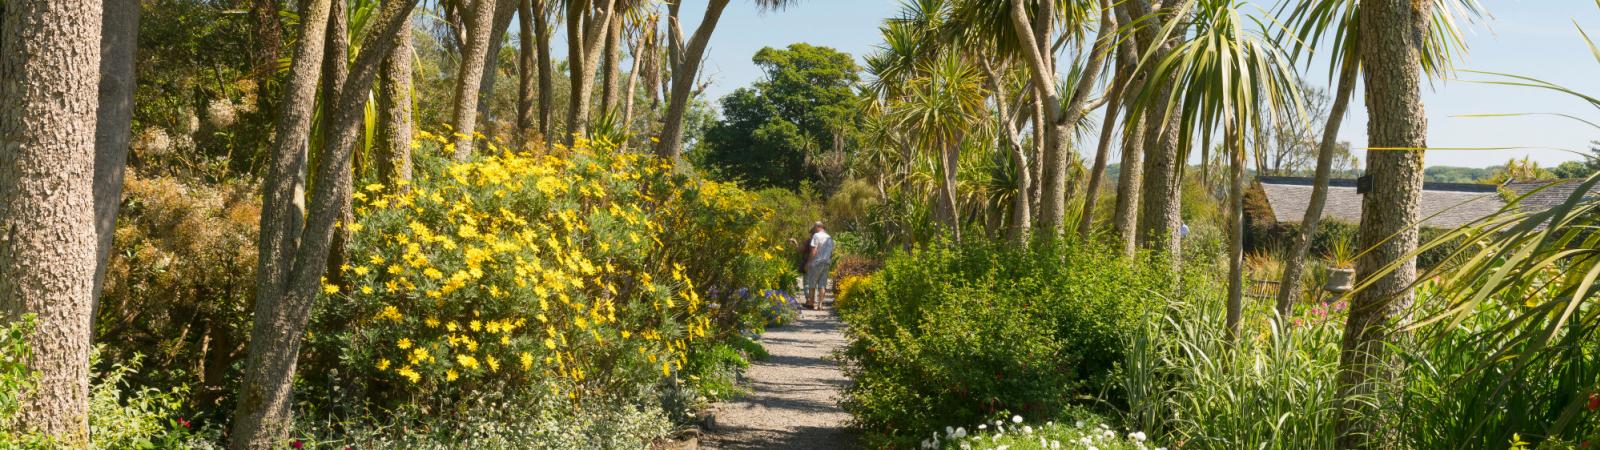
(954, 335)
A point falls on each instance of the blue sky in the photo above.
(1536, 38)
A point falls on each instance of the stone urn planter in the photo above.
(1339, 280)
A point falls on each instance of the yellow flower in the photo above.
(409, 374)
(550, 343)
(475, 325)
(383, 364)
(451, 375)
(433, 273)
(494, 365)
(330, 289)
(527, 361)
(390, 312)
(403, 343)
(366, 290)
(431, 322)
(467, 361)
(362, 270)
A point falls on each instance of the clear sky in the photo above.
(1536, 38)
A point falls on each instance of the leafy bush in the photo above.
(584, 277)
(123, 416)
(954, 335)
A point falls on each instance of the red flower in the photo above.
(184, 422)
(1594, 401)
(297, 444)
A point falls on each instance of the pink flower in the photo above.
(297, 444)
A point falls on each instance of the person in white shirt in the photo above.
(817, 264)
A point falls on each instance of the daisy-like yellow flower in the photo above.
(330, 289)
(383, 364)
(527, 361)
(403, 343)
(494, 365)
(409, 374)
(451, 375)
(467, 361)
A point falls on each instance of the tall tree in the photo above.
(294, 252)
(1391, 41)
(528, 68)
(1103, 149)
(611, 71)
(1289, 286)
(769, 129)
(49, 68)
(1159, 216)
(504, 11)
(469, 79)
(394, 105)
(114, 122)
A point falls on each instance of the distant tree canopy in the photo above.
(792, 126)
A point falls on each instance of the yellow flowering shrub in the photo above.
(581, 271)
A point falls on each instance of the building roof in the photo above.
(1443, 205)
(1557, 193)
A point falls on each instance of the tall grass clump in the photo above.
(960, 334)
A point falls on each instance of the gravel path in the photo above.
(793, 403)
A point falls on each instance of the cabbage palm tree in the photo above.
(684, 56)
(940, 107)
(1230, 76)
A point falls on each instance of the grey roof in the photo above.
(1444, 205)
(1557, 193)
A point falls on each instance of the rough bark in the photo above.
(947, 187)
(1125, 217)
(335, 68)
(685, 65)
(504, 10)
(49, 68)
(113, 123)
(1159, 213)
(1102, 151)
(262, 416)
(641, 51)
(547, 68)
(469, 79)
(585, 35)
(1235, 231)
(611, 72)
(268, 35)
(1021, 214)
(1288, 288)
(1397, 130)
(527, 69)
(394, 105)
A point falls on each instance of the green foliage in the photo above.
(16, 379)
(776, 132)
(955, 335)
(123, 416)
(1076, 429)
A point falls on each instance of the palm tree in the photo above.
(1230, 76)
(1311, 22)
(940, 108)
(684, 65)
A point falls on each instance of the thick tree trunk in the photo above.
(1235, 231)
(1125, 217)
(1397, 130)
(113, 123)
(527, 70)
(585, 35)
(394, 104)
(49, 68)
(262, 416)
(268, 35)
(474, 52)
(1159, 217)
(1295, 264)
(685, 64)
(1031, 32)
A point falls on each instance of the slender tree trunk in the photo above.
(547, 69)
(1390, 45)
(1021, 216)
(685, 65)
(1288, 289)
(585, 35)
(335, 69)
(113, 123)
(612, 71)
(268, 35)
(1031, 34)
(527, 69)
(1102, 152)
(474, 53)
(1125, 218)
(282, 309)
(948, 161)
(49, 68)
(1036, 164)
(1235, 231)
(504, 10)
(394, 104)
(641, 50)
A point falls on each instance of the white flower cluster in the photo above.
(1023, 434)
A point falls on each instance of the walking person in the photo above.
(819, 257)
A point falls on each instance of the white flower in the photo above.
(960, 432)
(983, 426)
(1078, 424)
(995, 438)
(948, 431)
(1027, 429)
(1094, 448)
(1055, 444)
(1003, 447)
(1137, 436)
(966, 446)
(1161, 448)
(926, 444)
(1110, 434)
(1016, 419)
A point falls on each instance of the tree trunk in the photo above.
(641, 50)
(469, 79)
(268, 35)
(282, 310)
(527, 69)
(394, 103)
(1125, 218)
(49, 68)
(1102, 152)
(948, 161)
(585, 35)
(1397, 129)
(1235, 231)
(612, 71)
(1031, 33)
(113, 123)
(1159, 218)
(1296, 262)
(685, 65)
(504, 10)
(335, 69)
